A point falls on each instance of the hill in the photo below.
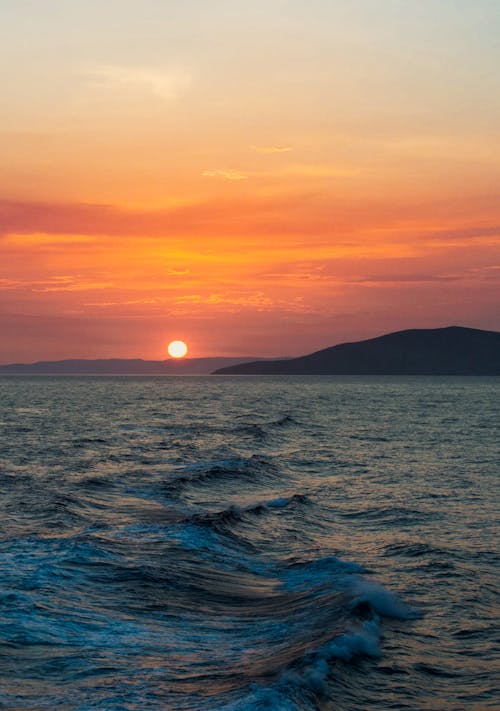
(119, 366)
(454, 350)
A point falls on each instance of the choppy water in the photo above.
(248, 543)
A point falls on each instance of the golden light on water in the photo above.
(177, 349)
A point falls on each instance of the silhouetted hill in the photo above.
(119, 366)
(440, 351)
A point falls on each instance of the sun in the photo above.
(177, 349)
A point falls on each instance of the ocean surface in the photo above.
(238, 543)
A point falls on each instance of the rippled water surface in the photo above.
(248, 543)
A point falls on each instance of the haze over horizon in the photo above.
(268, 178)
(176, 361)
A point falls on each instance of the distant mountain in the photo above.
(440, 351)
(118, 366)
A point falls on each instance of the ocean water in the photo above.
(231, 544)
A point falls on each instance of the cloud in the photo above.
(464, 233)
(315, 170)
(306, 219)
(177, 272)
(404, 278)
(153, 301)
(272, 149)
(11, 284)
(167, 84)
(236, 301)
(226, 174)
(82, 286)
(42, 239)
(49, 224)
(54, 284)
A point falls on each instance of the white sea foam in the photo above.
(309, 681)
(319, 572)
(353, 643)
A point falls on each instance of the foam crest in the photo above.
(362, 641)
(381, 600)
(330, 569)
(301, 686)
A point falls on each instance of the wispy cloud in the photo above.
(237, 301)
(177, 272)
(84, 286)
(44, 239)
(167, 84)
(306, 219)
(272, 149)
(232, 300)
(153, 301)
(54, 284)
(299, 170)
(388, 279)
(315, 170)
(225, 174)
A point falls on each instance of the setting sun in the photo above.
(177, 349)
(308, 192)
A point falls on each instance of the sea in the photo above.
(249, 543)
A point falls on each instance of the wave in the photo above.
(307, 664)
(394, 514)
(284, 421)
(234, 514)
(265, 632)
(300, 686)
(251, 429)
(252, 468)
(413, 549)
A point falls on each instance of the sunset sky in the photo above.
(255, 178)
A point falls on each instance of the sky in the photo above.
(261, 178)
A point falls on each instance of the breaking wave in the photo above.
(165, 548)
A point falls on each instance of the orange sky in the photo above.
(256, 180)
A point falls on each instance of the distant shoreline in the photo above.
(449, 351)
(453, 350)
(214, 376)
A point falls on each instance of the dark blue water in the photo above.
(248, 543)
